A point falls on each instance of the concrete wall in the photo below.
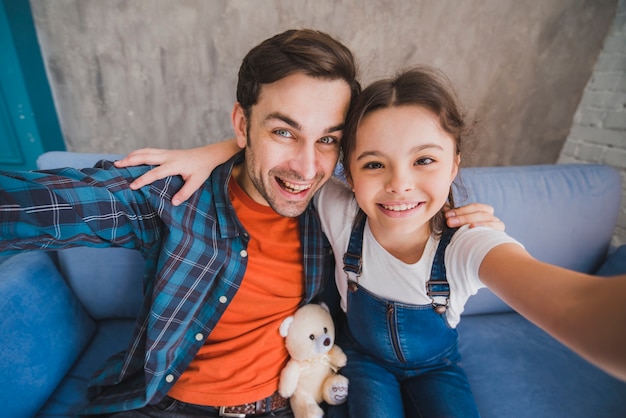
(598, 134)
(128, 74)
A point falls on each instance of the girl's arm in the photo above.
(194, 165)
(586, 313)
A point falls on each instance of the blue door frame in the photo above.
(28, 122)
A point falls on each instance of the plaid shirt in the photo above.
(194, 253)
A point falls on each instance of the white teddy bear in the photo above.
(311, 376)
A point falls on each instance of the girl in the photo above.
(404, 277)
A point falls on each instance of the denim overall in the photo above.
(402, 358)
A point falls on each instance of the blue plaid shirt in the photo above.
(194, 260)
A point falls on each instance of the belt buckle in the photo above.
(223, 413)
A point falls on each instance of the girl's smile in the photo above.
(400, 209)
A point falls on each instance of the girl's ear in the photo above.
(350, 182)
(240, 125)
(457, 164)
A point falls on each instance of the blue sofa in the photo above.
(62, 313)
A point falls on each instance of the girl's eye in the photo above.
(424, 161)
(283, 132)
(373, 166)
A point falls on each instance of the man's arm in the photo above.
(70, 207)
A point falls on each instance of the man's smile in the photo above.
(292, 187)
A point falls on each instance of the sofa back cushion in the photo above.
(563, 214)
(107, 281)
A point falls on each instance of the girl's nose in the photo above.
(400, 182)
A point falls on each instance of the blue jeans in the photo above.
(402, 361)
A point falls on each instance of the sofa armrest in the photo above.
(43, 330)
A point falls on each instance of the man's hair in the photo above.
(305, 51)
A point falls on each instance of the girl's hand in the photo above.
(194, 165)
(474, 214)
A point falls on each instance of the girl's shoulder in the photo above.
(336, 206)
(335, 193)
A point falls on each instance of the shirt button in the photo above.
(169, 378)
(243, 253)
(223, 299)
(199, 336)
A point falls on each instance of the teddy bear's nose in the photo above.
(327, 342)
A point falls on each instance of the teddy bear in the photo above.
(310, 375)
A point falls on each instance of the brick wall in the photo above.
(598, 133)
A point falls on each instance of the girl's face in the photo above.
(402, 168)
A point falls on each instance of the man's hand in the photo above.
(474, 214)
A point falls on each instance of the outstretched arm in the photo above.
(586, 313)
(69, 207)
(194, 165)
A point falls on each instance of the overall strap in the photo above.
(437, 286)
(352, 259)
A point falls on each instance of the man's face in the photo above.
(292, 140)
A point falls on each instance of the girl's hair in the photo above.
(421, 86)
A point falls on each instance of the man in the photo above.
(224, 263)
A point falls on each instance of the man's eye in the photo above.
(424, 161)
(283, 132)
(328, 140)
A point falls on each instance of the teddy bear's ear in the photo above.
(325, 306)
(284, 326)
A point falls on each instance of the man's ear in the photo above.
(240, 125)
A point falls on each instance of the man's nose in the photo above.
(305, 162)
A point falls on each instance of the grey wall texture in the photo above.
(128, 74)
(598, 134)
(162, 73)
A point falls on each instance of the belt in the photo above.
(273, 402)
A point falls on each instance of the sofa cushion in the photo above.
(43, 330)
(614, 264)
(517, 370)
(70, 397)
(107, 281)
(541, 207)
(57, 159)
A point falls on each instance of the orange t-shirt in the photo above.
(242, 358)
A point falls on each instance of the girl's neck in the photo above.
(407, 245)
